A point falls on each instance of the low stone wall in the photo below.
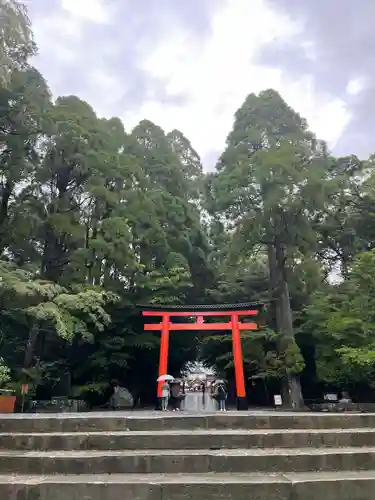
(330, 407)
(58, 405)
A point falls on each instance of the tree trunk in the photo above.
(5, 196)
(4, 204)
(53, 259)
(30, 347)
(273, 270)
(292, 393)
(107, 280)
(56, 254)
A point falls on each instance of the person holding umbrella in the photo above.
(165, 394)
(176, 396)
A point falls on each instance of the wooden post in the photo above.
(164, 347)
(242, 403)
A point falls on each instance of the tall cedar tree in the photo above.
(270, 181)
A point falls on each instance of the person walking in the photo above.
(165, 395)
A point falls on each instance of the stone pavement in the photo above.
(198, 403)
(167, 456)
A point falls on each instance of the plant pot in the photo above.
(7, 404)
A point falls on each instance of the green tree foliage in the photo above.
(341, 319)
(95, 219)
(16, 38)
(270, 182)
(48, 310)
(24, 105)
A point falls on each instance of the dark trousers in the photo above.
(175, 402)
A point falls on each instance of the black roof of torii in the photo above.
(243, 306)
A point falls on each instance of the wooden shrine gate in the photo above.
(235, 313)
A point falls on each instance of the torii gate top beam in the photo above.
(200, 313)
(193, 310)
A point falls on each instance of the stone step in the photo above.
(292, 486)
(185, 440)
(156, 421)
(187, 461)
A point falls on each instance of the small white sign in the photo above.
(331, 397)
(277, 399)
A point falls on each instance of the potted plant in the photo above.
(7, 397)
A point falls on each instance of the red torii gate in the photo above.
(233, 312)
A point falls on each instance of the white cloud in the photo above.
(87, 10)
(217, 75)
(60, 32)
(355, 86)
(57, 35)
(99, 79)
(309, 49)
(214, 74)
(327, 117)
(70, 61)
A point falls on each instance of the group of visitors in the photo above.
(171, 394)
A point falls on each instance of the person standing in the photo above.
(203, 395)
(221, 397)
(176, 396)
(165, 395)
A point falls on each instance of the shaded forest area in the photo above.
(95, 219)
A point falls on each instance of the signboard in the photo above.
(278, 400)
(330, 397)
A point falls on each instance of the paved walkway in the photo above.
(197, 402)
(157, 414)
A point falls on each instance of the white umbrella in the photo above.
(165, 378)
(218, 382)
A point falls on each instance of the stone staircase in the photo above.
(141, 456)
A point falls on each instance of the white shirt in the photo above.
(165, 391)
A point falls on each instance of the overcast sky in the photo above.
(189, 64)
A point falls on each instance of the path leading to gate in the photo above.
(197, 402)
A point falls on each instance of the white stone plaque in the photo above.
(277, 399)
